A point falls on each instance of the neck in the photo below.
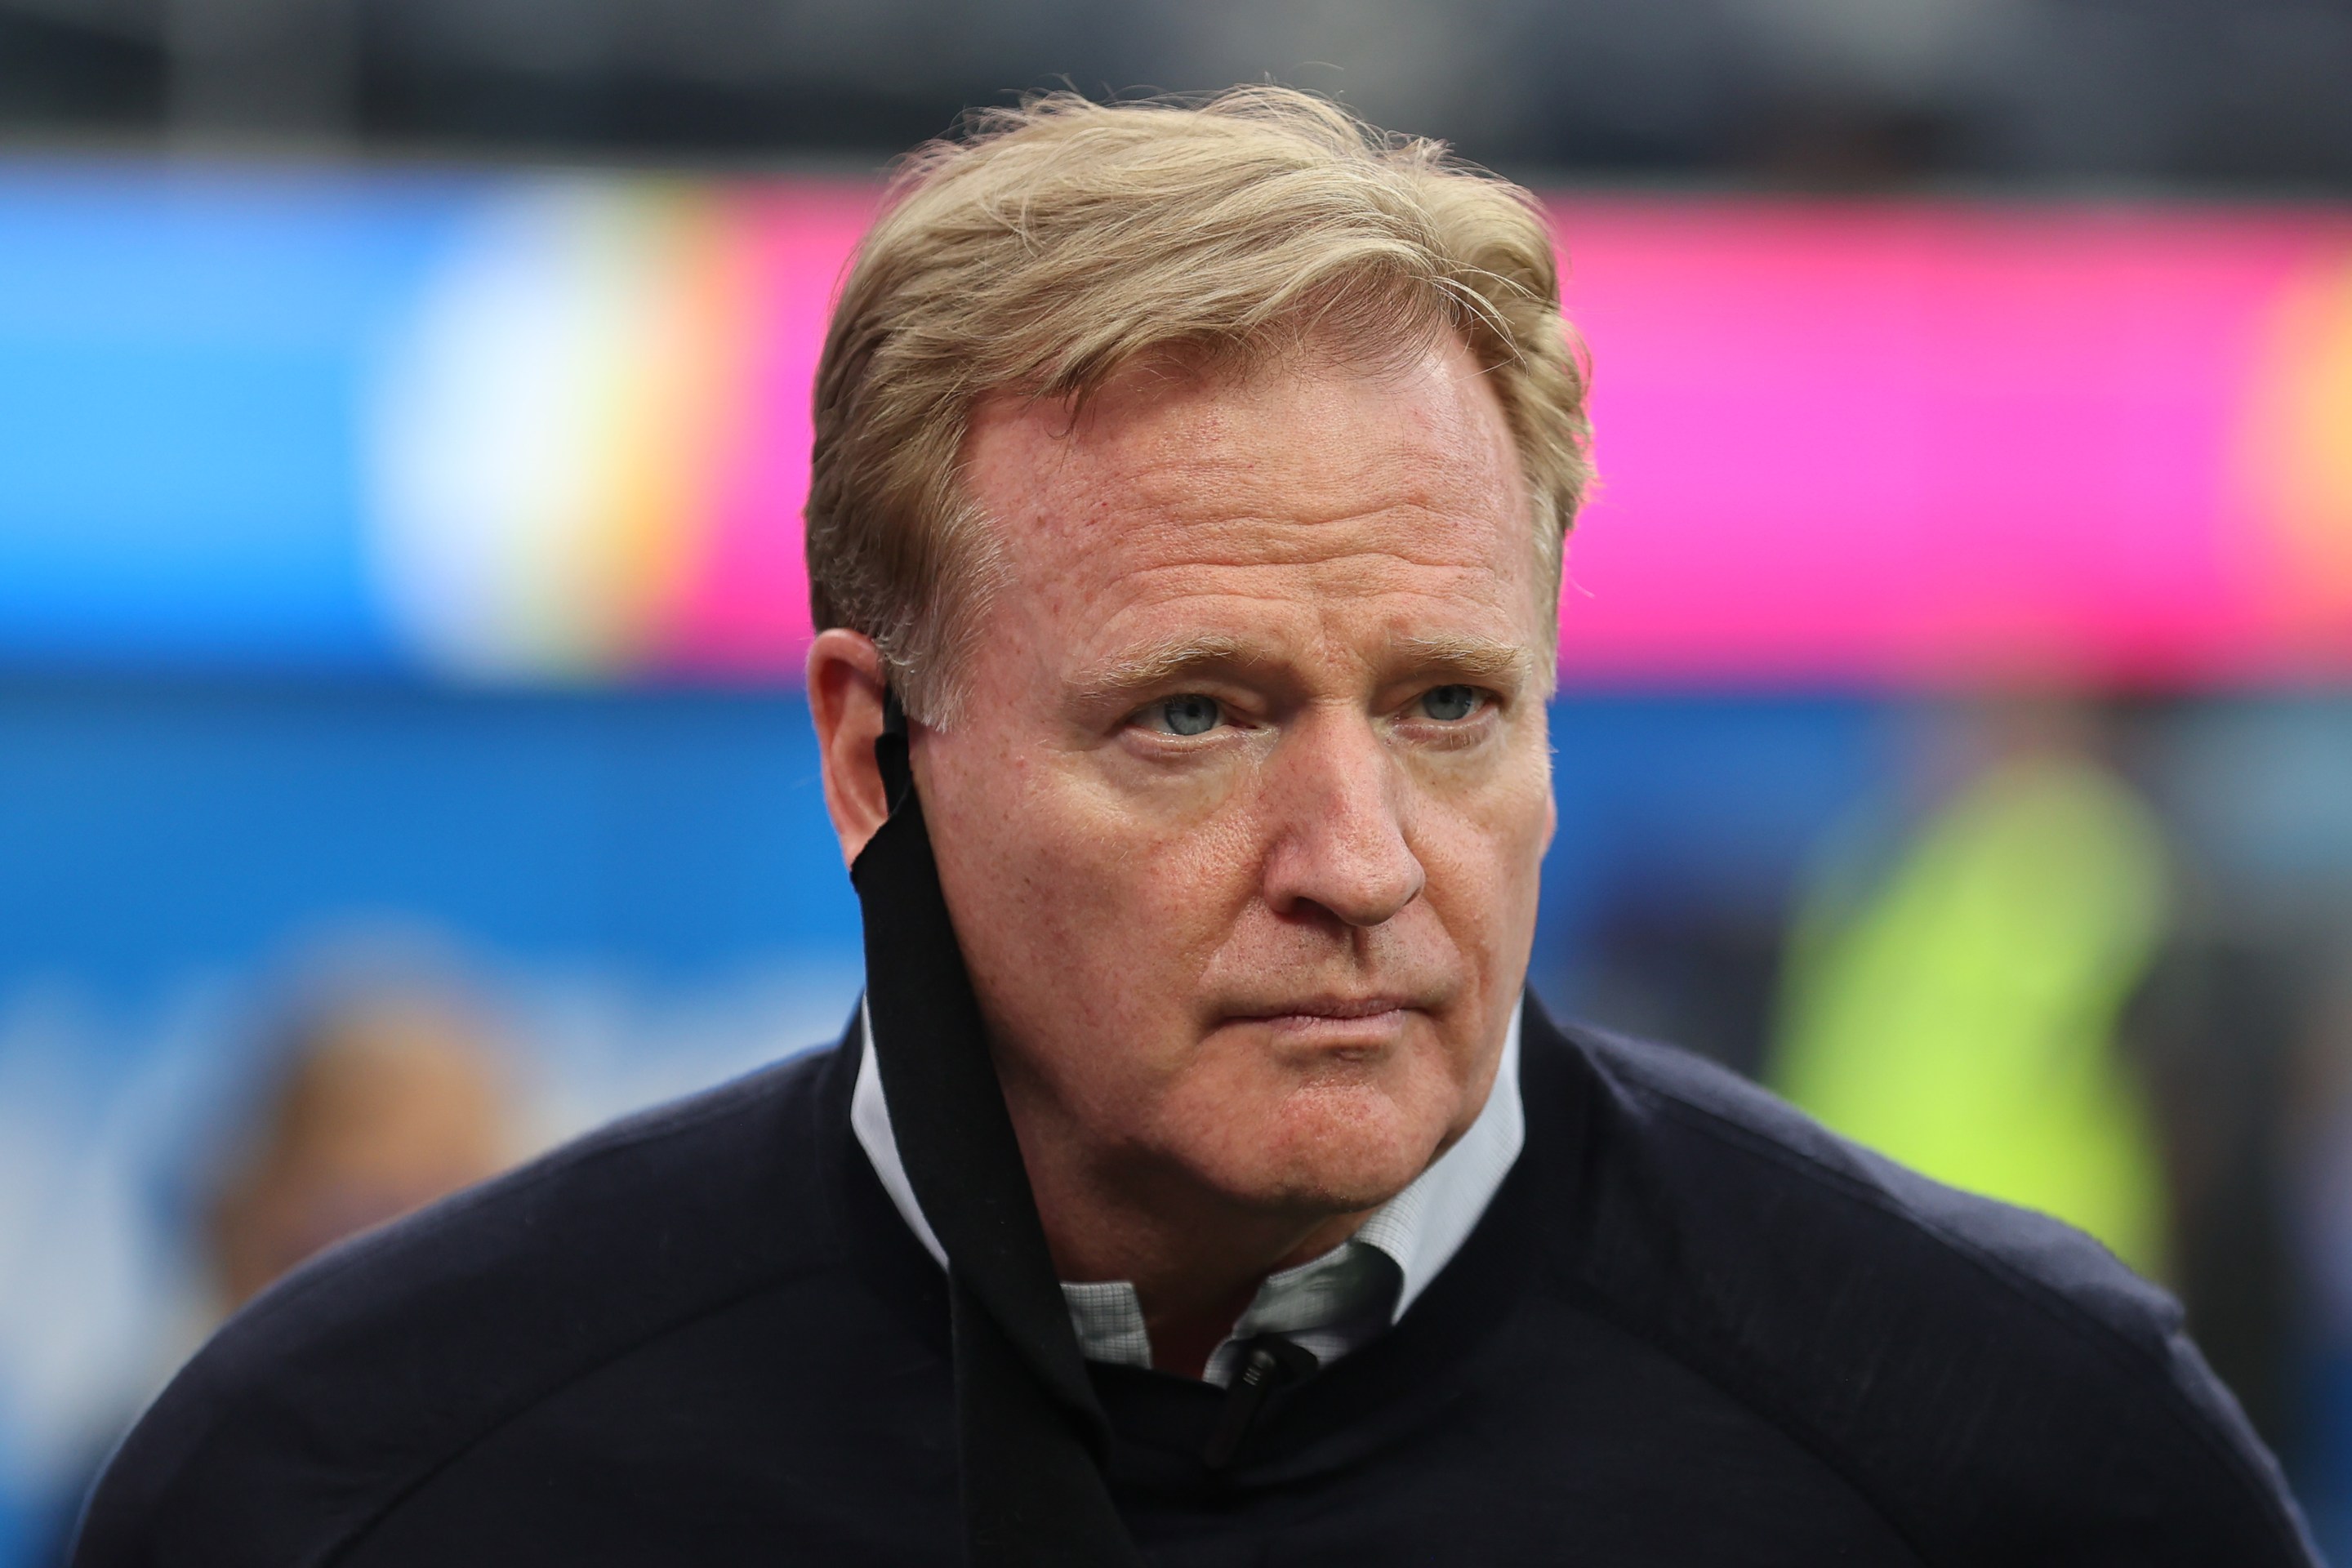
(1195, 1256)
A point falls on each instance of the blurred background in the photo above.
(402, 430)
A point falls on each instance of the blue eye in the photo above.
(1188, 715)
(1450, 703)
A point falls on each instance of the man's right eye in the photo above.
(1186, 715)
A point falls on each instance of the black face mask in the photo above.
(1030, 1431)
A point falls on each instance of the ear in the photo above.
(846, 688)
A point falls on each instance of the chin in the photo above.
(1335, 1149)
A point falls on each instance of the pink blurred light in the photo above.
(1900, 443)
(747, 611)
(1906, 443)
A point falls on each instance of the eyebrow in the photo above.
(1474, 658)
(1166, 662)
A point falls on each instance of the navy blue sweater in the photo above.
(1693, 1329)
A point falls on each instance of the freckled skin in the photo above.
(1167, 930)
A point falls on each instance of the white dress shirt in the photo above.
(1330, 1305)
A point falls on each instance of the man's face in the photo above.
(1240, 821)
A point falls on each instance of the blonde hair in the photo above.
(1047, 247)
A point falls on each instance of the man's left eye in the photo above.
(1189, 714)
(1449, 704)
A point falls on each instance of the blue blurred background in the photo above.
(379, 804)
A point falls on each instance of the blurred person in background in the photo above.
(388, 1102)
(2040, 991)
(1199, 1179)
(379, 1099)
(1962, 1008)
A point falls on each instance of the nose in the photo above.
(1340, 803)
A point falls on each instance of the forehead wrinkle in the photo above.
(1212, 485)
(1419, 542)
(1180, 482)
(1381, 595)
(1205, 489)
(1211, 591)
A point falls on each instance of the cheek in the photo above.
(1068, 900)
(1482, 846)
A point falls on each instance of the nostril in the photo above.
(1355, 890)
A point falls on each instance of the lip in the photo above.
(1310, 1010)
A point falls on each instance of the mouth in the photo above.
(1336, 1016)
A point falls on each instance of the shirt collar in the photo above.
(1331, 1304)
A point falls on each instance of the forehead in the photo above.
(1391, 492)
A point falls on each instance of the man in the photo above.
(1197, 1184)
